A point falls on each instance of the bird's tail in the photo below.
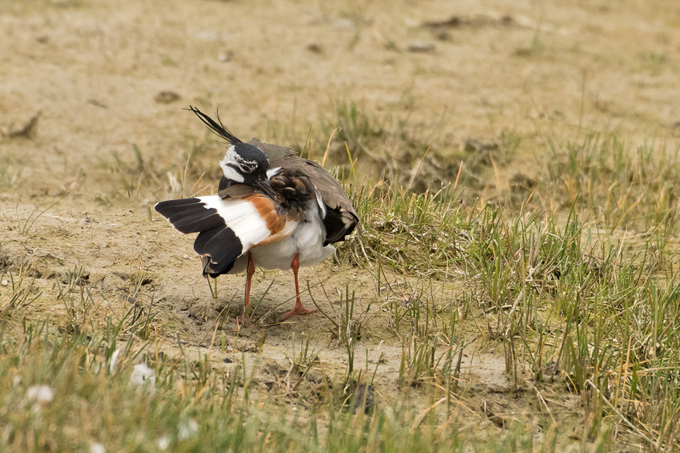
(227, 228)
(190, 215)
(217, 243)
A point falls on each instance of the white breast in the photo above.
(307, 240)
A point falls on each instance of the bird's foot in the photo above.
(298, 310)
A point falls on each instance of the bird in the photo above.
(273, 210)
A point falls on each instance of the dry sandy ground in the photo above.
(93, 70)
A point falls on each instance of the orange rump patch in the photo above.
(267, 209)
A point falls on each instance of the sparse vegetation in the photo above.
(514, 284)
(573, 307)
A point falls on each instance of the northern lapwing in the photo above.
(273, 210)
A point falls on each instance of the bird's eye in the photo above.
(248, 167)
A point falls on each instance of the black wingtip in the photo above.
(190, 215)
(216, 128)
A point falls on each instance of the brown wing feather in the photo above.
(341, 218)
(273, 152)
(236, 191)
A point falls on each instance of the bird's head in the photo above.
(243, 163)
(247, 164)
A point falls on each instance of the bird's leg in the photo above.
(299, 309)
(250, 271)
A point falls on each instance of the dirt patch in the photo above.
(156, 271)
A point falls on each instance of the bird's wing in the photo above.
(228, 227)
(339, 215)
(273, 152)
(228, 189)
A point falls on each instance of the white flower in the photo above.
(143, 375)
(41, 394)
(162, 443)
(97, 448)
(187, 428)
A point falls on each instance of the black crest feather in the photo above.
(216, 128)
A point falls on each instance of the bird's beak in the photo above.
(264, 186)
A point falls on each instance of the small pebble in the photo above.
(226, 56)
(421, 48)
(315, 48)
(167, 97)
